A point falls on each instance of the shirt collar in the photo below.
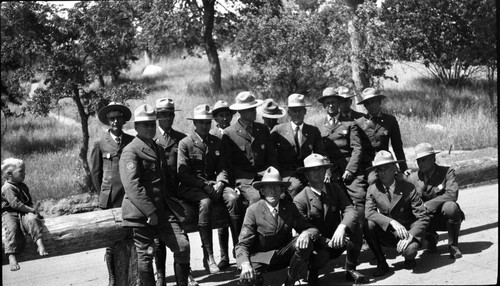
(163, 131)
(295, 125)
(243, 125)
(317, 192)
(114, 137)
(199, 137)
(277, 207)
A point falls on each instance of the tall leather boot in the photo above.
(382, 266)
(235, 227)
(453, 234)
(353, 250)
(181, 271)
(208, 251)
(147, 278)
(160, 258)
(224, 248)
(110, 264)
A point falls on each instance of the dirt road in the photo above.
(478, 266)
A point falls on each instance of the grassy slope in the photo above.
(50, 148)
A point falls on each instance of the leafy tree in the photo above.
(207, 24)
(451, 38)
(75, 51)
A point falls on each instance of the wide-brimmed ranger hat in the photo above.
(164, 105)
(245, 100)
(370, 93)
(297, 100)
(383, 158)
(423, 150)
(114, 106)
(202, 112)
(341, 91)
(144, 112)
(271, 177)
(221, 105)
(270, 109)
(314, 160)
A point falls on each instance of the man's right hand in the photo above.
(247, 273)
(401, 231)
(153, 219)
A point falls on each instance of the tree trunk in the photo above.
(84, 118)
(359, 76)
(101, 81)
(210, 47)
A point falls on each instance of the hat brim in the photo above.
(102, 114)
(431, 153)
(243, 106)
(303, 169)
(385, 163)
(301, 105)
(365, 100)
(192, 118)
(267, 115)
(220, 109)
(258, 185)
(321, 99)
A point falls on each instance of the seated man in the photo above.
(203, 182)
(266, 242)
(439, 191)
(395, 214)
(329, 209)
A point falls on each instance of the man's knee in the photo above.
(145, 256)
(319, 258)
(411, 250)
(451, 211)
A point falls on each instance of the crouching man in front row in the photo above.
(395, 214)
(329, 209)
(266, 242)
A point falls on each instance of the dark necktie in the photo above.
(249, 129)
(296, 138)
(118, 141)
(387, 189)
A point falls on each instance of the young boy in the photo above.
(18, 214)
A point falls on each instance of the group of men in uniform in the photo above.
(333, 182)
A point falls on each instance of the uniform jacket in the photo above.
(245, 155)
(170, 147)
(104, 158)
(284, 142)
(335, 209)
(375, 134)
(440, 188)
(217, 132)
(261, 235)
(148, 186)
(406, 207)
(199, 162)
(15, 196)
(342, 142)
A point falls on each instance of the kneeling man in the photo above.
(266, 242)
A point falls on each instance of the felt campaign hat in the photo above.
(270, 109)
(114, 106)
(271, 177)
(297, 100)
(341, 91)
(424, 149)
(221, 105)
(202, 112)
(314, 160)
(370, 93)
(245, 100)
(383, 158)
(144, 112)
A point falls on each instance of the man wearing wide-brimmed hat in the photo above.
(247, 147)
(395, 214)
(148, 208)
(376, 129)
(266, 241)
(329, 209)
(439, 190)
(270, 112)
(294, 141)
(222, 116)
(343, 145)
(203, 182)
(104, 159)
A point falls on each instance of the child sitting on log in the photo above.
(18, 214)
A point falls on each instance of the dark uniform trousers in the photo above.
(405, 206)
(104, 159)
(267, 242)
(148, 189)
(288, 157)
(327, 212)
(246, 155)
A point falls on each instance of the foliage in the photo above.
(452, 38)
